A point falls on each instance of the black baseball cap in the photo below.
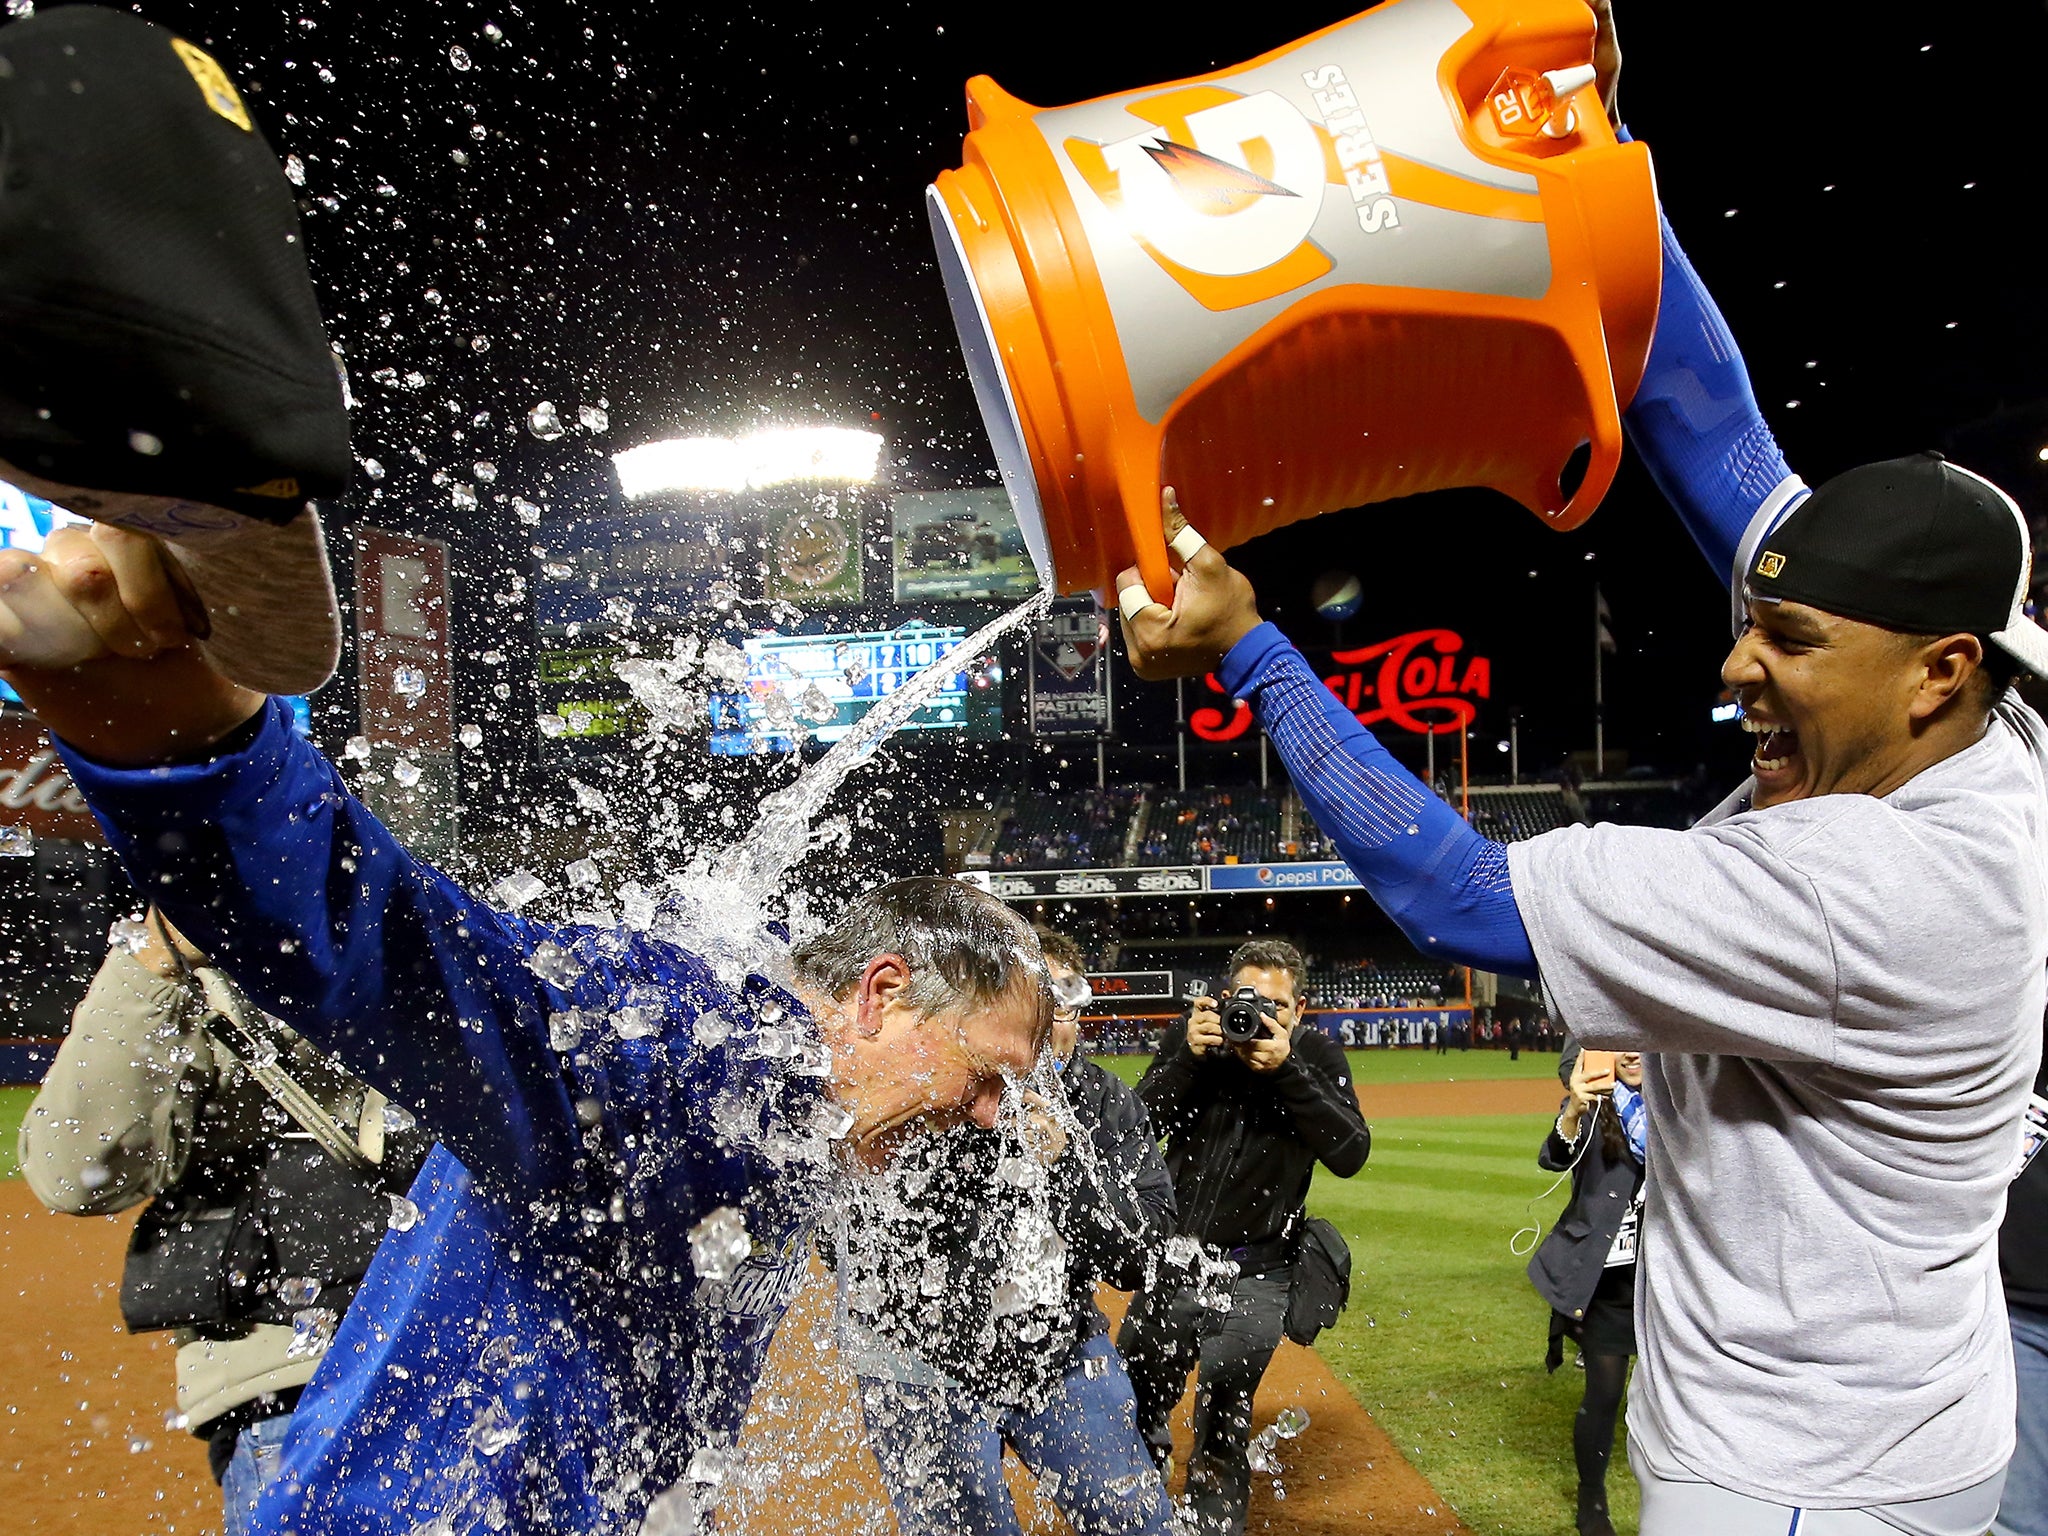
(163, 365)
(1917, 545)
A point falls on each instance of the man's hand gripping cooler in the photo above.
(1214, 607)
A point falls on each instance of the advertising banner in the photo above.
(37, 798)
(1069, 671)
(1425, 681)
(1167, 880)
(962, 545)
(1012, 885)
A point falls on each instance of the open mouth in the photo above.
(1775, 746)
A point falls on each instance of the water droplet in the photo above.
(479, 343)
(459, 57)
(373, 469)
(544, 423)
(147, 444)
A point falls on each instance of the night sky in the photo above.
(710, 221)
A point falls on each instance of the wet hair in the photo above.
(1267, 955)
(964, 947)
(1060, 950)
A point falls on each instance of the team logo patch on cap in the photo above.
(214, 84)
(1770, 563)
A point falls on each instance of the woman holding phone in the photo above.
(1586, 1267)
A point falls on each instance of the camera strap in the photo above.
(250, 1039)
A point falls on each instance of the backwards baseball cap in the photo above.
(162, 361)
(1918, 545)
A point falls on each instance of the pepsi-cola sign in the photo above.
(1421, 681)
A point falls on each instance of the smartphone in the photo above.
(1598, 1070)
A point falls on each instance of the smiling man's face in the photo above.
(1835, 706)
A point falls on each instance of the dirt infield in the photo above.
(83, 1447)
(1488, 1096)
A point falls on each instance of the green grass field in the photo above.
(13, 1105)
(1444, 1339)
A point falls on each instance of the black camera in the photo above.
(1243, 1013)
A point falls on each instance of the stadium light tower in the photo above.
(775, 456)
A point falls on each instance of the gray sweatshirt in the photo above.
(1844, 999)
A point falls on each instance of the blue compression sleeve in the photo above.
(1695, 421)
(1444, 885)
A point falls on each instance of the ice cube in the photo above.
(635, 1023)
(594, 418)
(493, 1429)
(719, 1244)
(470, 736)
(298, 1291)
(312, 1331)
(406, 772)
(1007, 1298)
(1289, 1422)
(711, 1028)
(462, 496)
(404, 1214)
(583, 874)
(710, 1465)
(830, 1119)
(544, 422)
(515, 890)
(130, 933)
(1095, 1367)
(1017, 1171)
(408, 681)
(554, 965)
(357, 749)
(397, 1119)
(484, 470)
(565, 1029)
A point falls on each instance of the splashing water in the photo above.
(724, 915)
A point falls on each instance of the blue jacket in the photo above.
(536, 1353)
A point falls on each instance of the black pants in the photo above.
(1162, 1336)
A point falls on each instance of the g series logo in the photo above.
(1224, 191)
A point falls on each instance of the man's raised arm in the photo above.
(248, 839)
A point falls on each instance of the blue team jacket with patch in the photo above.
(536, 1353)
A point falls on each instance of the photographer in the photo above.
(256, 1236)
(1246, 1113)
(1586, 1267)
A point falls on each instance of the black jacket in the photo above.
(931, 1268)
(2023, 1240)
(1242, 1145)
(1566, 1269)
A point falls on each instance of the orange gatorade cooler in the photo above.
(1404, 253)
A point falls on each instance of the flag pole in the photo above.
(1599, 695)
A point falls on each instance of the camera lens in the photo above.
(1243, 1016)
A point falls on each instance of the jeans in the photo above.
(2023, 1511)
(1165, 1332)
(259, 1452)
(941, 1454)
